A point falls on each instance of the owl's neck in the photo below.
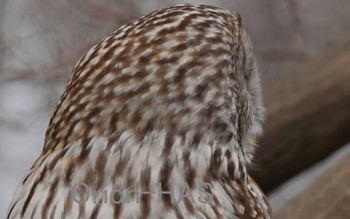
(169, 158)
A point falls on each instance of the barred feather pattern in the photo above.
(168, 102)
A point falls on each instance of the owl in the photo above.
(158, 120)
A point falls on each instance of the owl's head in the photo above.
(251, 116)
(187, 70)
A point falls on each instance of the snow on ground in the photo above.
(23, 122)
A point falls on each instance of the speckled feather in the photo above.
(170, 100)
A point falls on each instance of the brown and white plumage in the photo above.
(171, 100)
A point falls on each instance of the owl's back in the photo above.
(149, 126)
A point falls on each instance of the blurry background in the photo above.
(303, 49)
